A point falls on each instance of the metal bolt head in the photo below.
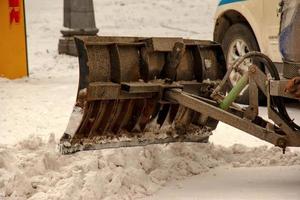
(252, 69)
(282, 143)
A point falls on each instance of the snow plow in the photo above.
(140, 91)
(122, 83)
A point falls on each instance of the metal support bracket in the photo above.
(214, 112)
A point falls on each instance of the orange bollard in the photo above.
(13, 47)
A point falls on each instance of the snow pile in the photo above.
(35, 170)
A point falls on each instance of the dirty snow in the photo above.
(35, 112)
(35, 170)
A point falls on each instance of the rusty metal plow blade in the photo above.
(122, 79)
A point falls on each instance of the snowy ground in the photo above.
(236, 184)
(35, 112)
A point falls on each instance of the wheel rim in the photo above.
(237, 49)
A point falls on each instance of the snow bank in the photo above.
(35, 170)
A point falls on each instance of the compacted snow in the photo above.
(263, 183)
(34, 170)
(35, 112)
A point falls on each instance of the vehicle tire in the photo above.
(239, 40)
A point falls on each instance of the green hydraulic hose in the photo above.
(234, 93)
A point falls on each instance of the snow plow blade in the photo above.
(122, 80)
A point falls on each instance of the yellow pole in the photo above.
(13, 48)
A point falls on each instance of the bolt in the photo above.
(282, 143)
(252, 69)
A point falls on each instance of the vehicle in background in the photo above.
(247, 25)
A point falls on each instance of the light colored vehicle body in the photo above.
(260, 15)
(242, 26)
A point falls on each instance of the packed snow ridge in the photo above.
(35, 170)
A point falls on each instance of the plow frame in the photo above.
(124, 79)
(247, 119)
(119, 76)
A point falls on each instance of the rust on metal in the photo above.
(140, 91)
(121, 87)
(293, 87)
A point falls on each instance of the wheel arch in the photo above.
(229, 18)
